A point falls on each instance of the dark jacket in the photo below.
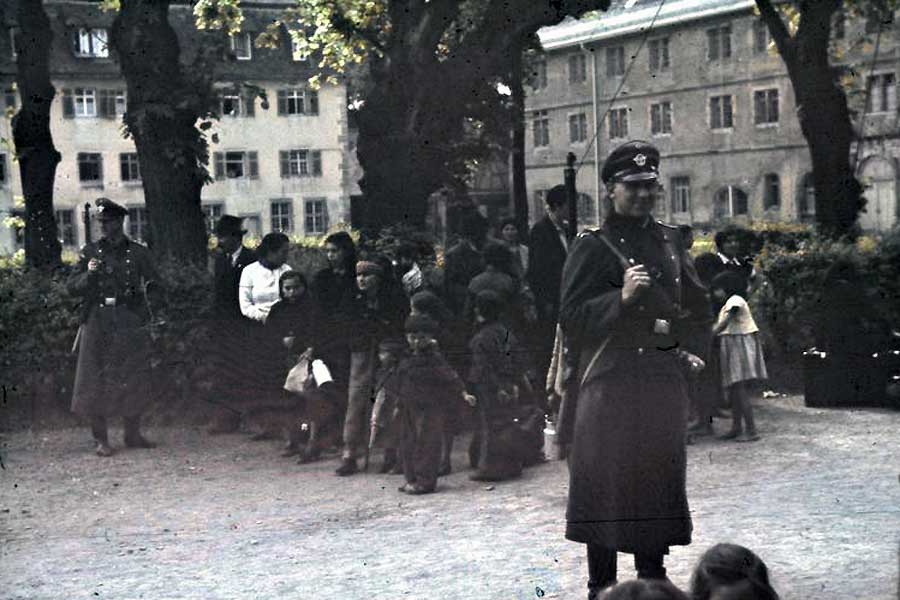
(546, 257)
(226, 281)
(365, 325)
(461, 264)
(331, 289)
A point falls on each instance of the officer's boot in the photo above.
(101, 436)
(133, 437)
(602, 568)
(446, 452)
(650, 566)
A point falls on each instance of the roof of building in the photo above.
(627, 17)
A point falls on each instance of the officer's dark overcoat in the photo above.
(113, 369)
(627, 461)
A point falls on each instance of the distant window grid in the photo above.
(296, 101)
(110, 103)
(242, 46)
(615, 61)
(296, 55)
(282, 216)
(730, 201)
(765, 107)
(661, 118)
(721, 112)
(237, 164)
(578, 129)
(659, 54)
(91, 43)
(760, 37)
(90, 167)
(85, 102)
(540, 127)
(881, 93)
(618, 123)
(231, 105)
(807, 203)
(577, 68)
(65, 226)
(772, 191)
(211, 214)
(539, 75)
(315, 214)
(300, 162)
(681, 195)
(137, 223)
(129, 167)
(718, 41)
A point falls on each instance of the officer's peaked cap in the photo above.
(632, 161)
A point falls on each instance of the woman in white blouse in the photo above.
(259, 280)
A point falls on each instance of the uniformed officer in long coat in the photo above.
(115, 277)
(629, 292)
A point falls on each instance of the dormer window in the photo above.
(91, 43)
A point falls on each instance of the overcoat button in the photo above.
(640, 350)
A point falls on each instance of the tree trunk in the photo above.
(161, 119)
(33, 140)
(519, 189)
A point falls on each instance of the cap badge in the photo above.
(640, 160)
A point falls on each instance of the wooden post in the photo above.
(571, 194)
(86, 217)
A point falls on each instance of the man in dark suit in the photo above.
(548, 246)
(230, 330)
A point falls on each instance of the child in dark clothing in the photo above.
(385, 412)
(423, 384)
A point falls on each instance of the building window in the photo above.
(806, 206)
(297, 55)
(881, 93)
(85, 102)
(91, 43)
(282, 215)
(9, 98)
(236, 165)
(587, 212)
(65, 225)
(137, 223)
(90, 167)
(231, 105)
(111, 103)
(772, 192)
(718, 42)
(578, 128)
(721, 115)
(129, 167)
(540, 126)
(661, 118)
(315, 211)
(241, 46)
(539, 74)
(659, 55)
(211, 214)
(730, 201)
(618, 123)
(298, 102)
(615, 61)
(760, 37)
(681, 194)
(577, 68)
(300, 163)
(765, 107)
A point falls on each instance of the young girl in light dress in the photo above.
(740, 351)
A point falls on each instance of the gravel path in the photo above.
(818, 498)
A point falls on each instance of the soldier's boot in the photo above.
(348, 467)
(650, 566)
(101, 437)
(446, 453)
(390, 461)
(602, 567)
(133, 436)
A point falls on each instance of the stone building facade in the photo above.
(286, 167)
(707, 87)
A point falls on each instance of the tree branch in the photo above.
(344, 25)
(778, 30)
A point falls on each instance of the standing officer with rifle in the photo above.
(630, 298)
(117, 281)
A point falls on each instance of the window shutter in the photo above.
(249, 103)
(68, 104)
(282, 102)
(313, 102)
(100, 168)
(283, 158)
(75, 41)
(253, 165)
(317, 162)
(219, 161)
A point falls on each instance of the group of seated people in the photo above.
(724, 572)
(399, 371)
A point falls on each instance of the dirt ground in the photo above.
(818, 498)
